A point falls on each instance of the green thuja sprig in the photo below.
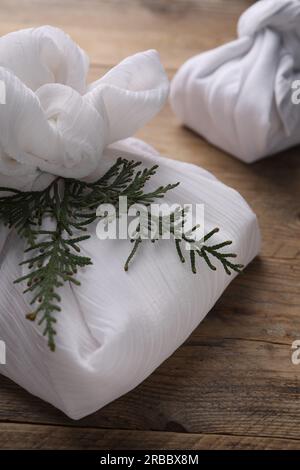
(68, 206)
(53, 254)
(173, 224)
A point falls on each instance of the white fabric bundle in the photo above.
(58, 123)
(239, 96)
(116, 327)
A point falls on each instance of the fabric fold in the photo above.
(132, 94)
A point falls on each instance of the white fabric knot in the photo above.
(239, 96)
(52, 121)
(282, 15)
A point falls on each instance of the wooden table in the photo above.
(232, 385)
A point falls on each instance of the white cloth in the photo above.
(52, 121)
(239, 96)
(117, 327)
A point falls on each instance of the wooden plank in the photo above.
(219, 386)
(111, 30)
(28, 436)
(262, 304)
(234, 374)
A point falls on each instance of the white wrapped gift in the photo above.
(116, 327)
(244, 96)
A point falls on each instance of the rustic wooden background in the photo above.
(232, 385)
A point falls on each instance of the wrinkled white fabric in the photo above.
(52, 121)
(239, 96)
(117, 327)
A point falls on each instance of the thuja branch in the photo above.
(55, 261)
(173, 224)
(54, 222)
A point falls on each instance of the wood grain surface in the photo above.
(232, 385)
